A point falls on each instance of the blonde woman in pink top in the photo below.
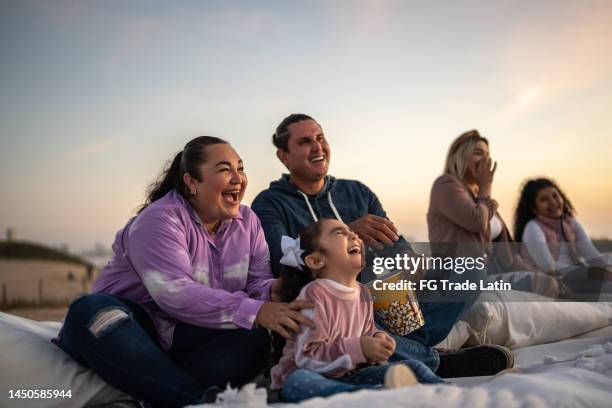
(345, 351)
(463, 219)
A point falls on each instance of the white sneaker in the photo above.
(399, 375)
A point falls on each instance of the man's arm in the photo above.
(376, 229)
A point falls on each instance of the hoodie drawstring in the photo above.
(331, 204)
(309, 206)
(333, 207)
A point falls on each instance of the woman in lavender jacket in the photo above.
(182, 308)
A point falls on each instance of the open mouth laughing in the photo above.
(231, 196)
(317, 159)
(355, 249)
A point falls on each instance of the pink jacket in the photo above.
(459, 224)
(342, 315)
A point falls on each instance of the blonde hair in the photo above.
(460, 149)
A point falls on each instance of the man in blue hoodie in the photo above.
(308, 193)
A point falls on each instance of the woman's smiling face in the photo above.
(219, 193)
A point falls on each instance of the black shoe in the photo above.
(474, 361)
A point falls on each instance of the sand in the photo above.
(46, 283)
(44, 314)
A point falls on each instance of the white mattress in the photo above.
(554, 374)
(538, 383)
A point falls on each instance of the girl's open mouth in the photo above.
(355, 250)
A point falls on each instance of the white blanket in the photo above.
(554, 375)
(29, 361)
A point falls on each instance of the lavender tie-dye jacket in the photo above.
(165, 260)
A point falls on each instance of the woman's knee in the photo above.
(98, 312)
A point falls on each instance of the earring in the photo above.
(193, 192)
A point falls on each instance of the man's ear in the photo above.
(315, 262)
(282, 156)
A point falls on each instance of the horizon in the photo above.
(98, 96)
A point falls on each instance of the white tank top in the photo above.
(496, 227)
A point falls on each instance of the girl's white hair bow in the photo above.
(292, 253)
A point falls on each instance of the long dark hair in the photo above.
(293, 279)
(187, 161)
(527, 202)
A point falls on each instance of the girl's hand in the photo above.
(389, 341)
(284, 318)
(375, 349)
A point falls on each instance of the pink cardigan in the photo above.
(333, 347)
(455, 217)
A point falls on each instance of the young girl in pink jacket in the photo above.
(345, 351)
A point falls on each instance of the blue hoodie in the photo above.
(284, 210)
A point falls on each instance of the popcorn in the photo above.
(398, 311)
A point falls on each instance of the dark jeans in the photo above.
(116, 338)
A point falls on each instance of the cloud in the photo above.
(134, 34)
(93, 149)
(65, 14)
(553, 59)
(235, 23)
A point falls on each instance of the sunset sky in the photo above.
(96, 96)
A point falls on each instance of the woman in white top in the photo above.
(553, 238)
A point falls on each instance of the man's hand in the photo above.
(284, 318)
(375, 349)
(374, 230)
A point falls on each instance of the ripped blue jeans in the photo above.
(116, 338)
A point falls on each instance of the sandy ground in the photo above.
(41, 314)
(36, 281)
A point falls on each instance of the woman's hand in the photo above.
(376, 349)
(483, 176)
(284, 318)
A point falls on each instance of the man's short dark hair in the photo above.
(280, 138)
